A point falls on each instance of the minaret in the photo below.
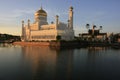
(71, 17)
(22, 31)
(22, 23)
(28, 24)
(57, 21)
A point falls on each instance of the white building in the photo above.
(40, 30)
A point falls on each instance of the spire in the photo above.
(41, 7)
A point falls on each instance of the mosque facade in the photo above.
(40, 30)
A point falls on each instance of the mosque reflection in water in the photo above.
(45, 63)
(49, 63)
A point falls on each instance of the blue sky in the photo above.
(104, 13)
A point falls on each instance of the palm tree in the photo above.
(94, 26)
(100, 27)
(58, 37)
(93, 31)
(87, 26)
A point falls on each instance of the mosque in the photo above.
(40, 30)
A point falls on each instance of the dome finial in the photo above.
(41, 7)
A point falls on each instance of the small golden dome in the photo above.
(41, 12)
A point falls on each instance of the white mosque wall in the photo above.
(27, 34)
(43, 35)
(42, 23)
(66, 34)
(34, 26)
(62, 26)
(48, 27)
(40, 30)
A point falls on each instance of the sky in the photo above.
(104, 13)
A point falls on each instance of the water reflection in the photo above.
(44, 63)
(64, 65)
(48, 64)
(5, 45)
(93, 53)
(96, 49)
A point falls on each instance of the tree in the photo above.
(94, 26)
(58, 37)
(87, 26)
(100, 27)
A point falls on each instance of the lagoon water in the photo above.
(45, 63)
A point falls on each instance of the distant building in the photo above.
(93, 34)
(40, 30)
(116, 37)
(119, 40)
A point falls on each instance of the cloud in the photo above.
(15, 15)
(9, 21)
(98, 16)
(55, 12)
(11, 16)
(63, 16)
(95, 16)
(27, 11)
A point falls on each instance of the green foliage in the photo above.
(8, 38)
(58, 37)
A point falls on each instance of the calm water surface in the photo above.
(44, 63)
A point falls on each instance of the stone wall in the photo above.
(32, 43)
(51, 44)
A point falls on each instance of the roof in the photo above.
(41, 12)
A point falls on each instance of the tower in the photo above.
(41, 17)
(28, 24)
(23, 33)
(70, 18)
(57, 21)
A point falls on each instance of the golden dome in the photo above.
(41, 12)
